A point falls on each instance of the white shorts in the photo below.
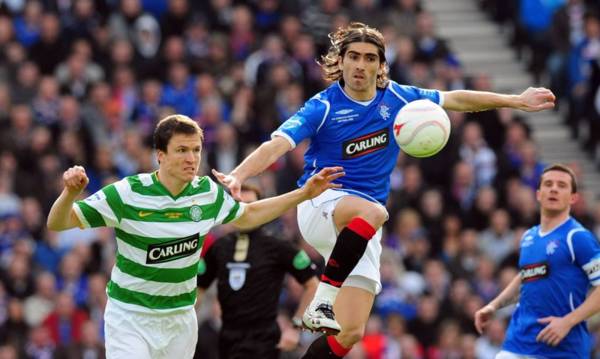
(508, 355)
(315, 220)
(149, 335)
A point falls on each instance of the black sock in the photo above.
(349, 248)
(321, 349)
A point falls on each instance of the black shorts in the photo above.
(256, 343)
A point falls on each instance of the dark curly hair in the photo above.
(341, 39)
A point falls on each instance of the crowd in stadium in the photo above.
(85, 81)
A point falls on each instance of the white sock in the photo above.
(327, 291)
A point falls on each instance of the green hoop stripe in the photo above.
(148, 300)
(92, 216)
(163, 275)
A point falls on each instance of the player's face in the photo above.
(360, 66)
(554, 193)
(182, 158)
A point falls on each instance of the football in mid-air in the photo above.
(421, 128)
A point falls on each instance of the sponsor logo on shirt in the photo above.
(527, 241)
(533, 272)
(291, 123)
(143, 214)
(344, 111)
(98, 196)
(168, 251)
(366, 144)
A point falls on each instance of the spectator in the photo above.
(66, 322)
(89, 346)
(496, 240)
(39, 343)
(39, 305)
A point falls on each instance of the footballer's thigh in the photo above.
(123, 340)
(182, 345)
(352, 308)
(350, 207)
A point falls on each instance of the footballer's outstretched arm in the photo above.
(509, 295)
(263, 211)
(530, 100)
(259, 160)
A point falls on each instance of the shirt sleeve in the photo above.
(586, 249)
(102, 209)
(295, 262)
(305, 123)
(412, 93)
(230, 209)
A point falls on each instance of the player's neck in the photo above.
(549, 221)
(172, 185)
(365, 95)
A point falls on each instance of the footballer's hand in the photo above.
(556, 329)
(483, 317)
(75, 180)
(290, 337)
(233, 184)
(323, 181)
(536, 99)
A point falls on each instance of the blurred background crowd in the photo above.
(85, 81)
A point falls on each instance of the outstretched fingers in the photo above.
(330, 174)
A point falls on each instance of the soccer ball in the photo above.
(421, 128)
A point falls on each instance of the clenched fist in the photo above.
(75, 180)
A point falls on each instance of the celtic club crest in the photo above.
(196, 213)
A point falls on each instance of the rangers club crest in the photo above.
(551, 247)
(384, 112)
(237, 275)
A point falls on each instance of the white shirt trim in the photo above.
(286, 136)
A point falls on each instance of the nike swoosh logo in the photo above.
(144, 214)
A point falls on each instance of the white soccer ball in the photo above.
(421, 128)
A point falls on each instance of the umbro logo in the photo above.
(344, 111)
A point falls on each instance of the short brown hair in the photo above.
(341, 39)
(171, 125)
(561, 168)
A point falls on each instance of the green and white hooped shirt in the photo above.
(159, 237)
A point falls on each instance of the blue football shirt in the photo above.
(557, 269)
(354, 134)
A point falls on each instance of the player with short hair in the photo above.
(350, 123)
(559, 260)
(160, 221)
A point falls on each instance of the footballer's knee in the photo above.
(350, 336)
(350, 207)
(375, 214)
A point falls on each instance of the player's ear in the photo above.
(574, 198)
(159, 156)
